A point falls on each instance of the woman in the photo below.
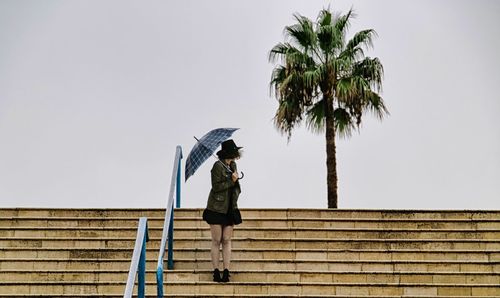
(222, 211)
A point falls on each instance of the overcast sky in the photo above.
(95, 96)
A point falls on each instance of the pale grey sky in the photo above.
(95, 95)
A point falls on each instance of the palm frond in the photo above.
(313, 77)
(288, 115)
(362, 38)
(375, 104)
(325, 31)
(325, 17)
(344, 124)
(277, 77)
(331, 31)
(279, 51)
(286, 53)
(316, 117)
(351, 95)
(302, 33)
(326, 38)
(349, 89)
(343, 22)
(354, 47)
(372, 70)
(294, 86)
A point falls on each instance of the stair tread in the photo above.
(258, 209)
(258, 260)
(295, 218)
(205, 238)
(251, 249)
(285, 271)
(244, 295)
(252, 283)
(385, 230)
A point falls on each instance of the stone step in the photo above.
(249, 264)
(348, 243)
(474, 224)
(360, 254)
(346, 265)
(331, 233)
(371, 277)
(259, 213)
(263, 243)
(236, 296)
(281, 288)
(274, 254)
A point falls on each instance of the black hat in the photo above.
(229, 150)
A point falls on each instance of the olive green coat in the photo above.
(223, 188)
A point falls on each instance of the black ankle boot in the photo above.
(217, 275)
(225, 275)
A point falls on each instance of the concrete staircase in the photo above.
(276, 253)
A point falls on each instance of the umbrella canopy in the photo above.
(205, 147)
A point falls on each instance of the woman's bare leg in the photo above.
(227, 234)
(216, 231)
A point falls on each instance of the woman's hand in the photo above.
(234, 177)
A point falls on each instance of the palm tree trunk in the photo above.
(331, 160)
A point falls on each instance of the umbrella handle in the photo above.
(242, 175)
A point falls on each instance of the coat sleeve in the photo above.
(220, 179)
(234, 168)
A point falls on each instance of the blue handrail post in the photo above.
(170, 258)
(138, 263)
(159, 282)
(178, 188)
(170, 252)
(142, 268)
(168, 224)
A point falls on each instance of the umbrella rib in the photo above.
(218, 159)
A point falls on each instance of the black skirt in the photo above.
(232, 217)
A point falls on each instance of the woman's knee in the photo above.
(216, 241)
(216, 233)
(226, 239)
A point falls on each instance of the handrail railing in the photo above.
(138, 264)
(168, 225)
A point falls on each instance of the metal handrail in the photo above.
(168, 225)
(138, 261)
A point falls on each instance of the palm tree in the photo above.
(327, 80)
